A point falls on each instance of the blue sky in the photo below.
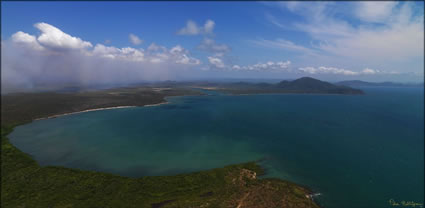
(373, 41)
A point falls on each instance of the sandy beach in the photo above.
(94, 109)
(98, 109)
(156, 104)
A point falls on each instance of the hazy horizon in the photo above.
(82, 43)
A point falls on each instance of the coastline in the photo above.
(237, 171)
(84, 111)
(18, 162)
(99, 109)
(150, 105)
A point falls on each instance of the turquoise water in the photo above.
(357, 151)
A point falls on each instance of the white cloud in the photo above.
(368, 71)
(341, 71)
(375, 11)
(236, 67)
(370, 33)
(283, 44)
(327, 70)
(399, 38)
(180, 55)
(211, 46)
(177, 49)
(216, 62)
(268, 66)
(154, 47)
(154, 54)
(27, 40)
(54, 38)
(134, 39)
(209, 26)
(272, 19)
(184, 59)
(399, 42)
(311, 10)
(49, 61)
(127, 54)
(192, 28)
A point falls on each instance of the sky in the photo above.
(51, 43)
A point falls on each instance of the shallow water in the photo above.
(357, 151)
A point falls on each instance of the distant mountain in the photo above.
(301, 85)
(311, 85)
(359, 83)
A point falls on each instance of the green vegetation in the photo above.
(26, 184)
(26, 107)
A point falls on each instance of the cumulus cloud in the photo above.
(211, 46)
(27, 40)
(127, 54)
(53, 38)
(154, 54)
(209, 26)
(180, 54)
(216, 62)
(218, 57)
(192, 28)
(134, 39)
(56, 58)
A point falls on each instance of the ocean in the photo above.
(355, 150)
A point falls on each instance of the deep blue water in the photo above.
(357, 151)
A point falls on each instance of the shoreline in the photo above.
(99, 109)
(165, 102)
(150, 105)
(307, 194)
(84, 111)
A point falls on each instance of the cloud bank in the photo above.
(55, 58)
(340, 71)
(270, 66)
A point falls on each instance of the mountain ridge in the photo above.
(302, 85)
